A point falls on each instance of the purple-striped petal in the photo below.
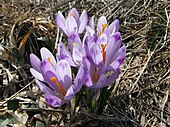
(77, 55)
(74, 40)
(73, 12)
(113, 27)
(60, 21)
(70, 93)
(63, 73)
(36, 74)
(88, 81)
(47, 55)
(102, 21)
(80, 79)
(71, 24)
(63, 53)
(96, 54)
(46, 66)
(83, 21)
(90, 30)
(44, 88)
(101, 82)
(112, 47)
(53, 100)
(35, 62)
(112, 78)
(117, 62)
(91, 23)
(102, 40)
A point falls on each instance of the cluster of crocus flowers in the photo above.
(55, 78)
(97, 57)
(104, 53)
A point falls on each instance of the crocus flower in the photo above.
(73, 22)
(103, 60)
(55, 78)
(75, 54)
(103, 27)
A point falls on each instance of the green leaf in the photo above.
(13, 105)
(39, 124)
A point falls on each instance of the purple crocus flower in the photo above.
(104, 55)
(75, 54)
(103, 27)
(55, 78)
(73, 22)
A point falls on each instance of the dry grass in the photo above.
(141, 94)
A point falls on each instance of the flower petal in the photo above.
(47, 55)
(118, 61)
(79, 80)
(88, 81)
(83, 21)
(73, 12)
(101, 22)
(60, 21)
(114, 26)
(112, 78)
(74, 40)
(44, 88)
(46, 66)
(96, 54)
(63, 53)
(64, 73)
(55, 84)
(77, 55)
(71, 24)
(101, 82)
(112, 47)
(53, 100)
(36, 74)
(70, 93)
(90, 30)
(91, 23)
(35, 62)
(102, 40)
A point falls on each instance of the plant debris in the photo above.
(141, 93)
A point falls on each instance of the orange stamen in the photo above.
(95, 75)
(49, 60)
(104, 52)
(62, 90)
(103, 28)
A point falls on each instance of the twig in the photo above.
(17, 93)
(144, 67)
(164, 101)
(43, 109)
(131, 8)
(57, 38)
(136, 32)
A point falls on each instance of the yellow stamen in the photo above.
(104, 52)
(75, 44)
(62, 90)
(95, 75)
(73, 15)
(49, 60)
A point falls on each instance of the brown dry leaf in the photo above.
(21, 116)
(24, 40)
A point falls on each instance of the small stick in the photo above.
(17, 92)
